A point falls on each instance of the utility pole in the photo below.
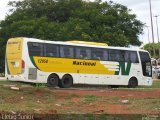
(148, 38)
(156, 16)
(151, 20)
(148, 32)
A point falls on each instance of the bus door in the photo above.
(36, 57)
(146, 64)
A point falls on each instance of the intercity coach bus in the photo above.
(75, 62)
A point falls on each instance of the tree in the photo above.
(64, 20)
(154, 49)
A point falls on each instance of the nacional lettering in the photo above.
(84, 63)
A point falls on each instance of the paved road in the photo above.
(2, 78)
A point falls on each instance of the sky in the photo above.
(138, 7)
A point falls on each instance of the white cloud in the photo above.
(141, 9)
(4, 8)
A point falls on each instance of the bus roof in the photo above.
(81, 43)
(88, 43)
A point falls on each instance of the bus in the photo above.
(63, 64)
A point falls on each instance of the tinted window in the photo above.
(67, 51)
(35, 49)
(146, 64)
(51, 50)
(99, 54)
(83, 53)
(116, 55)
(131, 56)
(144, 57)
(105, 55)
(127, 57)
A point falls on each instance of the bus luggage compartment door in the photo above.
(32, 74)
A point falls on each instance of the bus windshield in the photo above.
(146, 64)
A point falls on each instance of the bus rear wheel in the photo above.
(132, 83)
(52, 80)
(66, 81)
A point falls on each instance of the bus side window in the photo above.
(131, 56)
(35, 49)
(116, 55)
(105, 55)
(127, 56)
(83, 53)
(51, 50)
(134, 57)
(97, 54)
(67, 51)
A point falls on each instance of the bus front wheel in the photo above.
(66, 81)
(132, 83)
(52, 80)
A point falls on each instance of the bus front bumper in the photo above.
(148, 82)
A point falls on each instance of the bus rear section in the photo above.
(14, 63)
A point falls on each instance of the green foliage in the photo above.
(150, 46)
(62, 20)
(153, 48)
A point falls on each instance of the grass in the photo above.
(111, 100)
(31, 97)
(90, 98)
(156, 84)
(145, 104)
(27, 98)
(10, 82)
(70, 96)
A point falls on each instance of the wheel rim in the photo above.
(67, 81)
(133, 83)
(52, 81)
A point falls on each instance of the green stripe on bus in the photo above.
(125, 70)
(33, 62)
(8, 69)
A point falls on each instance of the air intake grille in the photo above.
(32, 73)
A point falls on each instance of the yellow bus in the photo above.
(75, 62)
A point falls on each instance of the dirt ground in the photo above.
(79, 101)
(111, 101)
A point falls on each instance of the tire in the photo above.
(132, 83)
(66, 81)
(52, 80)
